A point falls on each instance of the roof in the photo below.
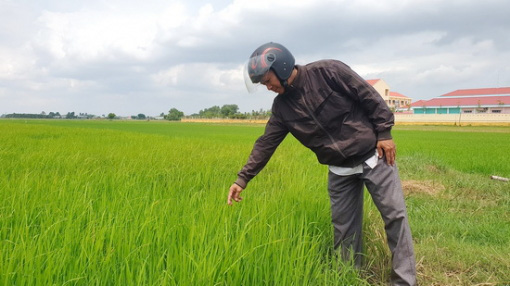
(396, 94)
(373, 81)
(464, 101)
(418, 103)
(479, 91)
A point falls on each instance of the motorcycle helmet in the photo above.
(270, 56)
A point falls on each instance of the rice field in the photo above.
(144, 203)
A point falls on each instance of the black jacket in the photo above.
(329, 109)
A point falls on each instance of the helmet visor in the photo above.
(248, 80)
(255, 69)
(250, 86)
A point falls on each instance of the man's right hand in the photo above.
(234, 194)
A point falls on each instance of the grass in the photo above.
(144, 203)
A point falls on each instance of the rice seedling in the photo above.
(144, 203)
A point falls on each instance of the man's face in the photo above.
(272, 83)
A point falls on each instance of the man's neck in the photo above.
(292, 76)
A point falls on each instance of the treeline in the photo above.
(25, 115)
(70, 115)
(230, 111)
(51, 115)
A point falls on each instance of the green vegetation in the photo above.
(174, 115)
(231, 111)
(144, 203)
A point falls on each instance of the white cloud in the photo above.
(13, 64)
(88, 35)
(202, 77)
(90, 56)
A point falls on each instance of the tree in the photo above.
(174, 114)
(70, 115)
(142, 116)
(228, 110)
(111, 116)
(210, 112)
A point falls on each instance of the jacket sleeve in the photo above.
(262, 151)
(368, 98)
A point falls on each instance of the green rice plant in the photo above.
(97, 204)
(144, 203)
(480, 150)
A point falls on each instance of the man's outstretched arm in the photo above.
(262, 151)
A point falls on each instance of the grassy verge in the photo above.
(459, 216)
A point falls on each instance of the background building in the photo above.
(395, 100)
(482, 100)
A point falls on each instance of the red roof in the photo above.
(464, 101)
(479, 91)
(396, 94)
(418, 103)
(372, 81)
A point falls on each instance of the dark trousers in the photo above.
(383, 184)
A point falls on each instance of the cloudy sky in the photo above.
(131, 57)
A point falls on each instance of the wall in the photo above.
(456, 110)
(463, 118)
(383, 89)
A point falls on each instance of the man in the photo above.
(334, 112)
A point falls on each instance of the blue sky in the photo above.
(131, 57)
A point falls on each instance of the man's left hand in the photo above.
(388, 148)
(234, 194)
